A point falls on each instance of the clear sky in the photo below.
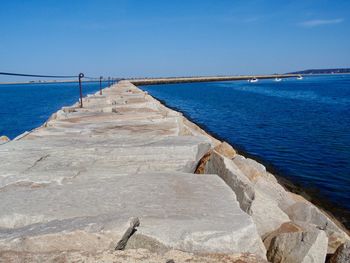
(173, 38)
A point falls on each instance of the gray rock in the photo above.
(298, 247)
(55, 160)
(284, 228)
(264, 182)
(266, 214)
(308, 215)
(89, 212)
(268, 186)
(229, 172)
(264, 210)
(342, 254)
(131, 229)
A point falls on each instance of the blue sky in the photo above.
(173, 38)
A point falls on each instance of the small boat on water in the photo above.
(300, 77)
(278, 79)
(253, 80)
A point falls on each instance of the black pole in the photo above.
(109, 81)
(81, 75)
(101, 85)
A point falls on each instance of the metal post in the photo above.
(101, 85)
(109, 81)
(81, 75)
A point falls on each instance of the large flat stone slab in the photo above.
(45, 160)
(178, 210)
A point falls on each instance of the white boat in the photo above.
(278, 79)
(253, 80)
(300, 77)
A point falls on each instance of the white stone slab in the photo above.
(183, 211)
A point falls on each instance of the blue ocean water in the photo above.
(24, 107)
(299, 127)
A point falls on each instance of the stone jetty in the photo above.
(126, 179)
(155, 81)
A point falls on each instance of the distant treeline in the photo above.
(323, 71)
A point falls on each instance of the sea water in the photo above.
(24, 107)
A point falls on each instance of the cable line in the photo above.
(80, 76)
(35, 76)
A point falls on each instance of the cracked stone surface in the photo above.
(74, 183)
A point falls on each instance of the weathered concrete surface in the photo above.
(74, 183)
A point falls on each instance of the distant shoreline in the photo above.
(323, 71)
(163, 80)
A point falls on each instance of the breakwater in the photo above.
(89, 177)
(157, 81)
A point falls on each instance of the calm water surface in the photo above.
(25, 107)
(302, 127)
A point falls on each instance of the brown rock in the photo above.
(202, 163)
(342, 254)
(4, 139)
(223, 149)
(251, 168)
(288, 227)
(226, 150)
(298, 247)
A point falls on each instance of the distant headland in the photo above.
(324, 71)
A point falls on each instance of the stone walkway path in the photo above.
(76, 182)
